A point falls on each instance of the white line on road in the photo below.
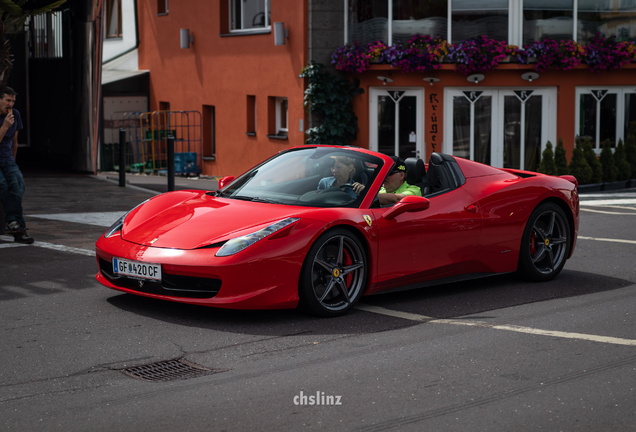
(608, 202)
(513, 328)
(607, 240)
(608, 212)
(61, 248)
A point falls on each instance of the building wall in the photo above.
(222, 70)
(114, 47)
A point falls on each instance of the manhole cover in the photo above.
(168, 371)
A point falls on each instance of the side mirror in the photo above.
(408, 204)
(224, 181)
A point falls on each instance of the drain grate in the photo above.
(170, 370)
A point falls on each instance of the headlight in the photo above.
(120, 222)
(115, 227)
(239, 243)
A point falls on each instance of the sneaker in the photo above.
(23, 237)
(13, 227)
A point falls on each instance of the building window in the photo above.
(246, 15)
(162, 7)
(251, 115)
(517, 21)
(277, 117)
(605, 113)
(209, 132)
(46, 33)
(113, 19)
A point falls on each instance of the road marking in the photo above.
(102, 219)
(513, 328)
(608, 240)
(61, 248)
(608, 202)
(608, 212)
(10, 245)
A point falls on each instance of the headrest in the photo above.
(415, 170)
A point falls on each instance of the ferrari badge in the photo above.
(368, 219)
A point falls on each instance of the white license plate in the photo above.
(137, 269)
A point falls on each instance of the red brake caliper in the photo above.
(532, 250)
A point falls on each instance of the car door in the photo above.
(437, 242)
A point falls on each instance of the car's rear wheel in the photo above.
(545, 243)
(333, 275)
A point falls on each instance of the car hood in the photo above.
(192, 219)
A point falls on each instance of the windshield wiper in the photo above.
(253, 199)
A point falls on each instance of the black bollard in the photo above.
(122, 157)
(170, 163)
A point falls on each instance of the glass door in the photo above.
(396, 121)
(505, 128)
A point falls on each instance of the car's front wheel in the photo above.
(333, 275)
(545, 243)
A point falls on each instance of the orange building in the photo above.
(251, 98)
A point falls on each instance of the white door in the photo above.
(506, 128)
(396, 121)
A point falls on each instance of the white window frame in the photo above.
(620, 92)
(418, 92)
(515, 22)
(267, 26)
(280, 130)
(548, 118)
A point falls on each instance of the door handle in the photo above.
(472, 208)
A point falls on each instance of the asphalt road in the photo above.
(496, 354)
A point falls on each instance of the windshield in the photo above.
(313, 176)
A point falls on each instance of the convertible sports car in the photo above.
(271, 239)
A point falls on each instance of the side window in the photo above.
(162, 7)
(113, 19)
(249, 14)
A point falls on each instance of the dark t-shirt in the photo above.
(6, 146)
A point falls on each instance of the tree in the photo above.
(620, 159)
(547, 165)
(593, 162)
(607, 161)
(13, 14)
(330, 98)
(579, 167)
(560, 159)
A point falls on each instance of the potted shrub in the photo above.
(563, 55)
(579, 167)
(624, 171)
(594, 163)
(560, 159)
(547, 165)
(609, 167)
(351, 58)
(630, 155)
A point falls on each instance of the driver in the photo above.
(395, 186)
(343, 171)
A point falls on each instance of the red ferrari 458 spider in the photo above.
(282, 235)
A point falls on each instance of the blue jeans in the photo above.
(11, 192)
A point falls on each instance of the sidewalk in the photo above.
(74, 210)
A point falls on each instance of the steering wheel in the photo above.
(346, 185)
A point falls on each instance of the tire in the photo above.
(545, 244)
(333, 275)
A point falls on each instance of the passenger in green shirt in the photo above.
(395, 187)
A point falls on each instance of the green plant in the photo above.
(607, 160)
(547, 165)
(630, 152)
(329, 97)
(592, 160)
(620, 159)
(560, 159)
(579, 167)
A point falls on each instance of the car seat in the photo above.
(416, 174)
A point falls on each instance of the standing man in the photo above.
(395, 186)
(11, 180)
